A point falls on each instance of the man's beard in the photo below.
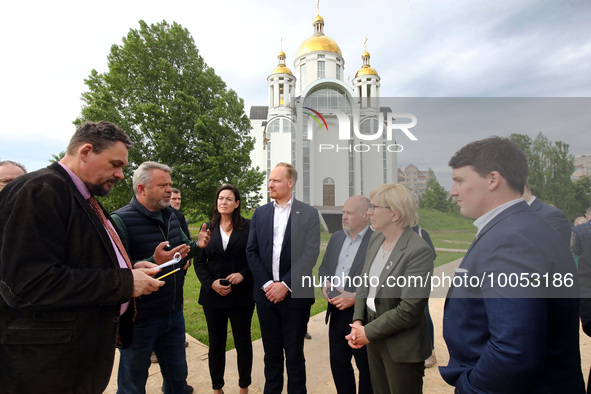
(101, 190)
(163, 204)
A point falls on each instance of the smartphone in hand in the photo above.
(333, 293)
(224, 282)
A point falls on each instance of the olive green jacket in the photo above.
(403, 289)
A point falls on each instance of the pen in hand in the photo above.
(165, 275)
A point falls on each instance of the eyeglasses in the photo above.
(372, 208)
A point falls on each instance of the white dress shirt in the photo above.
(490, 215)
(280, 219)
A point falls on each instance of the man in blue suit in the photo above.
(342, 262)
(505, 339)
(554, 216)
(283, 245)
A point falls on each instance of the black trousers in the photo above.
(283, 330)
(341, 354)
(217, 327)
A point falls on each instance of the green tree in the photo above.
(582, 194)
(435, 196)
(58, 157)
(177, 111)
(550, 168)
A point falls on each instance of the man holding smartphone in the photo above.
(343, 260)
(145, 223)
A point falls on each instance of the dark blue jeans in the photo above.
(164, 335)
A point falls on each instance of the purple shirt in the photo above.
(86, 194)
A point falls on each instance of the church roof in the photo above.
(281, 67)
(258, 112)
(366, 69)
(318, 42)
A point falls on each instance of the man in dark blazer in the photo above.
(343, 261)
(502, 338)
(283, 245)
(64, 282)
(554, 216)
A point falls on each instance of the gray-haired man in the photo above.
(148, 225)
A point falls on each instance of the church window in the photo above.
(274, 126)
(306, 168)
(351, 174)
(329, 97)
(369, 126)
(321, 70)
(288, 126)
(303, 76)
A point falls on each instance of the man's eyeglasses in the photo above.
(372, 208)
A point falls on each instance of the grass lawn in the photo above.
(446, 231)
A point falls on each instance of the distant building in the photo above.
(582, 167)
(414, 179)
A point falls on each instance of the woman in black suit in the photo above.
(226, 288)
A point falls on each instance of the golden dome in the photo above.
(318, 19)
(281, 69)
(366, 70)
(365, 54)
(319, 43)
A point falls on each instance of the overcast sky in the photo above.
(460, 48)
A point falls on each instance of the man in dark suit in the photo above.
(502, 338)
(581, 235)
(283, 245)
(64, 280)
(554, 216)
(175, 202)
(343, 261)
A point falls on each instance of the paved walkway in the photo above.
(317, 362)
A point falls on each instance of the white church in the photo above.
(329, 130)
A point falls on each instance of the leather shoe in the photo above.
(431, 361)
